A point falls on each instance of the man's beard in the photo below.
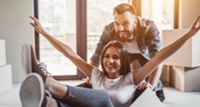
(125, 36)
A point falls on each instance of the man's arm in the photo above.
(154, 45)
(155, 76)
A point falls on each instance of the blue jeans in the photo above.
(83, 97)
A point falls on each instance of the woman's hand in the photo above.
(195, 26)
(36, 24)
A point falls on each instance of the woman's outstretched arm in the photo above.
(82, 65)
(164, 53)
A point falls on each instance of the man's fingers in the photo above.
(139, 87)
(145, 85)
(149, 85)
(142, 86)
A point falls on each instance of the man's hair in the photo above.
(121, 8)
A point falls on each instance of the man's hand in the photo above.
(144, 85)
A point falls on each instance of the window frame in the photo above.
(138, 6)
(81, 33)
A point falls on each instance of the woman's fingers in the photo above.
(33, 18)
(36, 24)
(196, 23)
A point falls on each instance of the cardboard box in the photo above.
(185, 78)
(2, 53)
(147, 99)
(5, 78)
(188, 54)
(165, 75)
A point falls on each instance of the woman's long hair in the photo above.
(124, 57)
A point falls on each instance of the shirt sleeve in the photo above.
(97, 75)
(153, 39)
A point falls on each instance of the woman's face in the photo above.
(111, 62)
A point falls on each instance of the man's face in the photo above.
(124, 26)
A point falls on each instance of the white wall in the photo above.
(189, 9)
(16, 30)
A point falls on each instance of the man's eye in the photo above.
(126, 24)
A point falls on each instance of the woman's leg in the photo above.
(32, 93)
(77, 96)
(57, 89)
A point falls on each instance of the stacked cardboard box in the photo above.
(185, 78)
(185, 63)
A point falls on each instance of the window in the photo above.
(161, 11)
(58, 17)
(66, 21)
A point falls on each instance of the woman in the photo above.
(116, 73)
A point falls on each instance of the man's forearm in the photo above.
(155, 76)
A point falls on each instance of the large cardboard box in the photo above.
(5, 78)
(188, 54)
(2, 53)
(165, 77)
(185, 78)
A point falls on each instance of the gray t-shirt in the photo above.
(120, 90)
(131, 47)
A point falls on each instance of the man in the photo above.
(141, 38)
